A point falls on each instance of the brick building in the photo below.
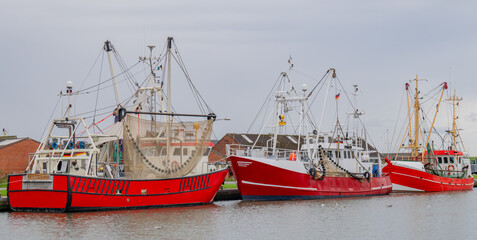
(14, 153)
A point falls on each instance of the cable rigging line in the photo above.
(192, 87)
(360, 120)
(90, 70)
(184, 69)
(97, 93)
(397, 120)
(110, 79)
(123, 67)
(266, 100)
(51, 116)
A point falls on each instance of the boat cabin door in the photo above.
(62, 166)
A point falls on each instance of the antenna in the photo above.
(69, 93)
(356, 113)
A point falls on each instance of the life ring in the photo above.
(80, 145)
(449, 168)
(174, 165)
(292, 156)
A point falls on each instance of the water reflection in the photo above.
(410, 216)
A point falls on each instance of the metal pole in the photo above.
(279, 106)
(169, 107)
(108, 48)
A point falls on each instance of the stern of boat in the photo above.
(37, 192)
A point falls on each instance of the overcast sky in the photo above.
(234, 51)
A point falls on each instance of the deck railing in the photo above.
(449, 173)
(265, 152)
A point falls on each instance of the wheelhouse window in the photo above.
(163, 151)
(451, 159)
(445, 160)
(45, 167)
(439, 159)
(177, 152)
(206, 153)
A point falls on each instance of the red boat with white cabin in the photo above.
(144, 159)
(321, 166)
(428, 170)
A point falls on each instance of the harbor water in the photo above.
(444, 215)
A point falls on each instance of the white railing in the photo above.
(265, 152)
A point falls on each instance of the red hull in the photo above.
(258, 180)
(424, 181)
(77, 193)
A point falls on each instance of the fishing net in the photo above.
(150, 154)
(333, 169)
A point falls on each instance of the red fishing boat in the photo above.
(320, 166)
(428, 170)
(69, 193)
(270, 179)
(144, 159)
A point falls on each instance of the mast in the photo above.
(409, 112)
(280, 116)
(169, 107)
(356, 113)
(69, 92)
(337, 124)
(414, 146)
(156, 91)
(303, 123)
(416, 119)
(108, 48)
(152, 84)
(282, 98)
(455, 102)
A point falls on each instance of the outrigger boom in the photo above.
(208, 116)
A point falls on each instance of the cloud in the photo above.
(472, 117)
(235, 50)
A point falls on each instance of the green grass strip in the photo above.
(229, 185)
